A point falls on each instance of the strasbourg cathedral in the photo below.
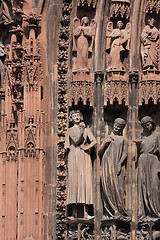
(79, 125)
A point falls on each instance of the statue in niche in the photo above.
(113, 152)
(150, 46)
(118, 41)
(79, 141)
(148, 171)
(83, 39)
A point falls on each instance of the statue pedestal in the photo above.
(81, 75)
(115, 228)
(80, 228)
(150, 74)
(148, 229)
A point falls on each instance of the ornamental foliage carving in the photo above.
(88, 3)
(152, 6)
(120, 8)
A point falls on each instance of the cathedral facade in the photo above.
(80, 125)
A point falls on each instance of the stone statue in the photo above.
(148, 171)
(79, 142)
(118, 40)
(83, 39)
(113, 151)
(150, 46)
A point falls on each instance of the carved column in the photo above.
(98, 116)
(22, 131)
(132, 158)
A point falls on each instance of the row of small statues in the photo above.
(117, 42)
(113, 154)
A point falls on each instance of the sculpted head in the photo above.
(75, 117)
(120, 24)
(151, 22)
(118, 126)
(85, 21)
(82, 125)
(148, 124)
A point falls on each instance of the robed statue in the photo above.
(113, 153)
(150, 46)
(79, 141)
(148, 171)
(118, 41)
(83, 39)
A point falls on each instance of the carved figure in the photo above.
(5, 10)
(79, 141)
(150, 46)
(83, 39)
(114, 154)
(118, 40)
(148, 171)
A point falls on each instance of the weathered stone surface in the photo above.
(99, 57)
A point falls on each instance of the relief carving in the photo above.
(88, 3)
(81, 91)
(12, 142)
(108, 232)
(120, 8)
(5, 11)
(150, 46)
(83, 40)
(148, 171)
(80, 230)
(30, 139)
(79, 185)
(116, 90)
(117, 42)
(113, 151)
(152, 6)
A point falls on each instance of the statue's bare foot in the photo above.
(87, 216)
(70, 218)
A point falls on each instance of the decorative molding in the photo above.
(80, 229)
(82, 91)
(62, 114)
(30, 139)
(88, 3)
(133, 77)
(152, 6)
(149, 87)
(12, 142)
(120, 8)
(115, 229)
(116, 89)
